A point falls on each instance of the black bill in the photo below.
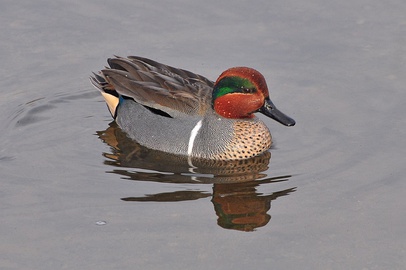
(271, 111)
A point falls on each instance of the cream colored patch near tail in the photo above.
(112, 102)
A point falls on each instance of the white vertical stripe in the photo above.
(192, 138)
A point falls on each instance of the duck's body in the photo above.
(179, 112)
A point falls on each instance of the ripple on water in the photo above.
(40, 109)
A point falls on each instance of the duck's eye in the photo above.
(247, 90)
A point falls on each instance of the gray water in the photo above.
(74, 196)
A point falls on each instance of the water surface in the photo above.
(330, 194)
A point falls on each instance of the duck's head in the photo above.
(239, 92)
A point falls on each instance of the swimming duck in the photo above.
(183, 113)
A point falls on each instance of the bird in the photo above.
(179, 112)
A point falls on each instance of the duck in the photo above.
(179, 112)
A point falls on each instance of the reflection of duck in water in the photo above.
(237, 203)
(240, 207)
(179, 112)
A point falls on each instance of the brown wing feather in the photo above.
(159, 86)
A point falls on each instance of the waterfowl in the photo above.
(179, 112)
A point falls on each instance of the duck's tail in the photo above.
(110, 95)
